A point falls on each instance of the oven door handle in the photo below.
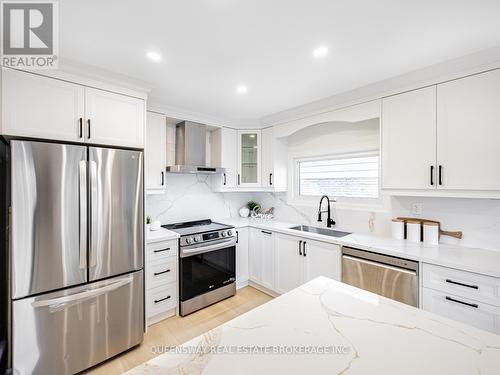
(206, 249)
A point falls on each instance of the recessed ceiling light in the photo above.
(320, 52)
(154, 56)
(241, 89)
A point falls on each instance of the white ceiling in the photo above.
(211, 46)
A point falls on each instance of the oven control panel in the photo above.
(206, 237)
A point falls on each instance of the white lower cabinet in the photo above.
(322, 259)
(261, 257)
(465, 310)
(161, 280)
(289, 259)
(299, 260)
(464, 296)
(242, 257)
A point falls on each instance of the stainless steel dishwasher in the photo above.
(388, 276)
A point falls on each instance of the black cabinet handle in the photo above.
(440, 175)
(462, 302)
(161, 299)
(225, 179)
(162, 178)
(161, 250)
(304, 248)
(237, 237)
(239, 179)
(300, 247)
(432, 175)
(449, 281)
(81, 127)
(266, 232)
(271, 179)
(161, 273)
(88, 125)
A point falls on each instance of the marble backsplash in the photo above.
(189, 197)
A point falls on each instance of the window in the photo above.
(351, 176)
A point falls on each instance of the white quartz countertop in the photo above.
(482, 261)
(161, 234)
(333, 328)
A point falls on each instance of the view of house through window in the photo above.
(352, 176)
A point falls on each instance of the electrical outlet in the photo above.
(416, 208)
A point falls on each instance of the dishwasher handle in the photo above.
(380, 265)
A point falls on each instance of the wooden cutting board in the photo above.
(455, 234)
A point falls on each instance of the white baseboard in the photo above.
(263, 289)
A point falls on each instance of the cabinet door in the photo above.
(114, 119)
(267, 157)
(242, 256)
(249, 158)
(477, 314)
(321, 259)
(229, 157)
(267, 264)
(40, 107)
(469, 133)
(288, 263)
(409, 140)
(156, 152)
(255, 255)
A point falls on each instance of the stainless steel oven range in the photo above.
(207, 263)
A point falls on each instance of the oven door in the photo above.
(207, 268)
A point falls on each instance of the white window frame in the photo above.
(373, 204)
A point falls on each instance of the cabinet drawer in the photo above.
(161, 299)
(158, 251)
(462, 283)
(477, 314)
(161, 273)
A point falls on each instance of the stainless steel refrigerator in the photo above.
(76, 254)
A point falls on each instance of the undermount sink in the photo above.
(324, 231)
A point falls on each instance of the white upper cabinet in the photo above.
(114, 119)
(249, 158)
(156, 152)
(409, 140)
(224, 153)
(274, 161)
(40, 107)
(468, 138)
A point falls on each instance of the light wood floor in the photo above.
(177, 330)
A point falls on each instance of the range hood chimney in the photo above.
(190, 149)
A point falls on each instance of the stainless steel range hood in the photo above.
(190, 149)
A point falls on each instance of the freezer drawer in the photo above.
(375, 273)
(66, 332)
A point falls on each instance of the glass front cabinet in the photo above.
(249, 158)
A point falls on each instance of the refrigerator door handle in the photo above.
(93, 213)
(58, 303)
(83, 213)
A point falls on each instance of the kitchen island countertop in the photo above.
(334, 328)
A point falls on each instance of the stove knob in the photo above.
(188, 240)
(223, 234)
(196, 239)
(229, 233)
